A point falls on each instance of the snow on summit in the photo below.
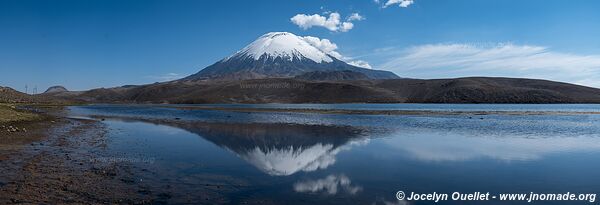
(285, 45)
(283, 55)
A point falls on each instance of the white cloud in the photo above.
(330, 48)
(346, 26)
(401, 3)
(324, 45)
(332, 23)
(330, 184)
(355, 17)
(507, 60)
(360, 63)
(308, 21)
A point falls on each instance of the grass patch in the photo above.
(8, 113)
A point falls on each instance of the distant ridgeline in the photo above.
(318, 90)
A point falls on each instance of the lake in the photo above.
(309, 158)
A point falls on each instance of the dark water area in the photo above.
(298, 158)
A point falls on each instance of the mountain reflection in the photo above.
(280, 149)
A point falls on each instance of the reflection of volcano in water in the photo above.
(279, 149)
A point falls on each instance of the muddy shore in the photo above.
(55, 161)
(62, 160)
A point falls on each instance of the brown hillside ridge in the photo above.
(291, 90)
(9, 95)
(332, 76)
(12, 96)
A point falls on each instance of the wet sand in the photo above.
(54, 162)
(62, 160)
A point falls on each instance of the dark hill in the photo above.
(332, 76)
(281, 90)
(56, 89)
(491, 90)
(9, 95)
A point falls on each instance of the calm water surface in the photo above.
(416, 106)
(296, 158)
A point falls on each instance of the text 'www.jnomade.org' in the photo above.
(487, 196)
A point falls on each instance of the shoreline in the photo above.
(46, 164)
(68, 161)
(379, 112)
(11, 114)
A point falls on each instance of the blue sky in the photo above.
(105, 43)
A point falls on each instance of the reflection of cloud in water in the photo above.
(280, 149)
(433, 146)
(329, 185)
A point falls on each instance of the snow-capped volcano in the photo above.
(280, 55)
(282, 45)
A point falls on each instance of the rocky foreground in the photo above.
(61, 160)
